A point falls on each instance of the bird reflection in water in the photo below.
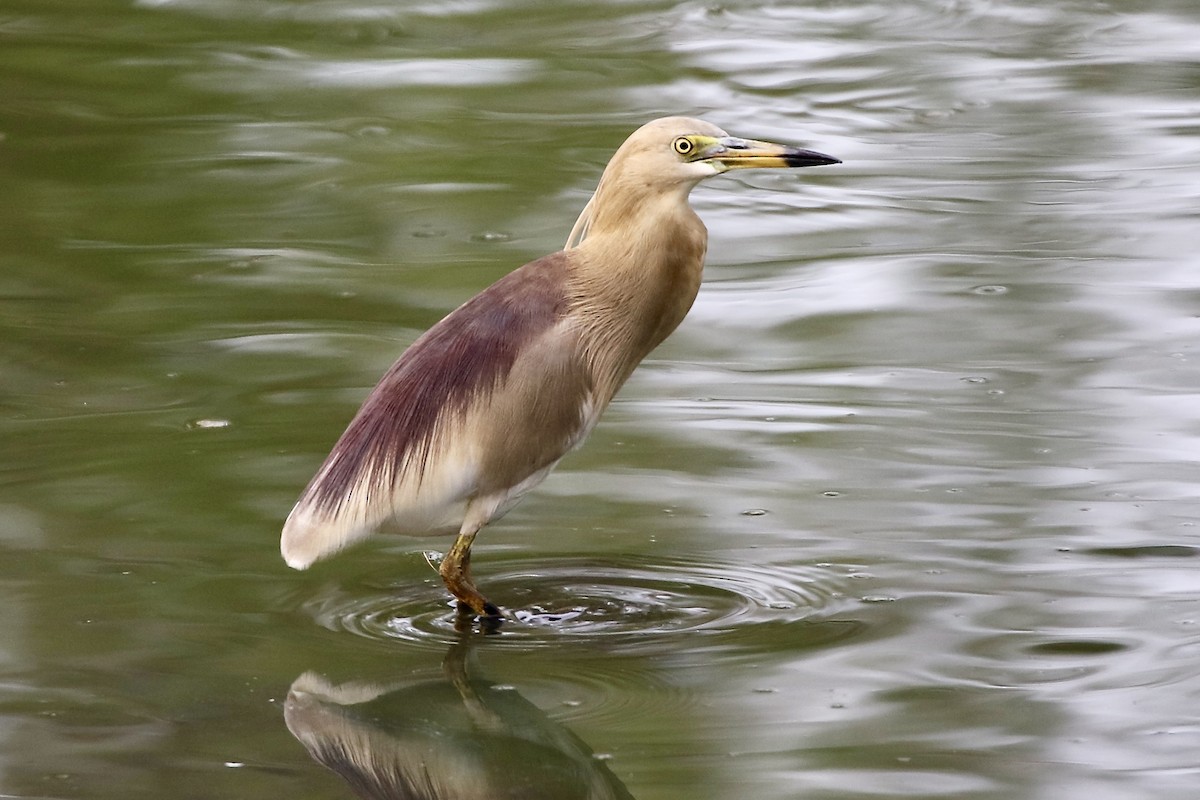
(459, 738)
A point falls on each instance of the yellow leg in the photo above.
(456, 574)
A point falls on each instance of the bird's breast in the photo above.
(629, 294)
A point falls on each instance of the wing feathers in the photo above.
(409, 454)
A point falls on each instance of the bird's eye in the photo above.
(683, 145)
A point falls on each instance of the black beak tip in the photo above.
(809, 158)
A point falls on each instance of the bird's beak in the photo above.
(730, 152)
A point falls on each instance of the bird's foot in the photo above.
(471, 603)
(487, 610)
(455, 570)
(490, 617)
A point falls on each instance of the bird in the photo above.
(481, 407)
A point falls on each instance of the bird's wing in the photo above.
(414, 452)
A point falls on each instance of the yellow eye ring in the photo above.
(683, 145)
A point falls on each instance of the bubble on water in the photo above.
(372, 131)
(208, 424)
(491, 236)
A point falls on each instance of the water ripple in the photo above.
(620, 602)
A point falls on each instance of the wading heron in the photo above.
(479, 409)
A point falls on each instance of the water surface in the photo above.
(906, 508)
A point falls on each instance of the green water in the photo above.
(906, 508)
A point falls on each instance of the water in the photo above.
(906, 508)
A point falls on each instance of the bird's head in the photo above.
(669, 156)
(686, 150)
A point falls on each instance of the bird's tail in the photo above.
(309, 536)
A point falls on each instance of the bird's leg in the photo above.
(456, 574)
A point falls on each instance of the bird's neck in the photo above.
(634, 278)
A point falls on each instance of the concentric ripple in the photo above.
(621, 601)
